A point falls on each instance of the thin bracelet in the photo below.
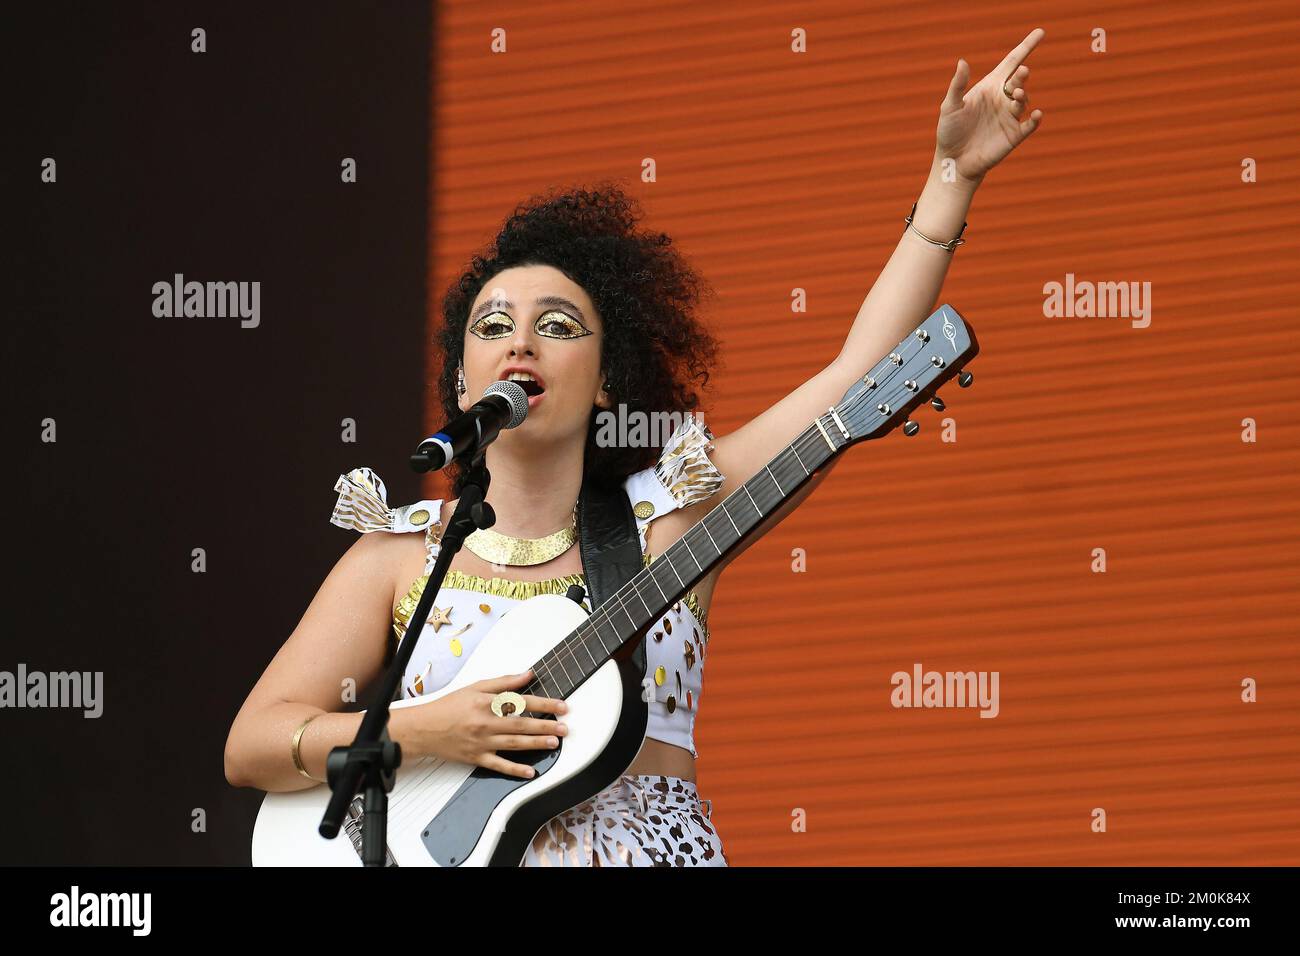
(297, 739)
(950, 245)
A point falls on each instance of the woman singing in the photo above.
(588, 313)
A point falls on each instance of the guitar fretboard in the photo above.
(866, 410)
(649, 594)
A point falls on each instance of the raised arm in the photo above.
(977, 129)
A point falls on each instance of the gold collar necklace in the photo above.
(497, 548)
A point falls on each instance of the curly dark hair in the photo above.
(654, 347)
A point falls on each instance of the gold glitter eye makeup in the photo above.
(484, 327)
(565, 327)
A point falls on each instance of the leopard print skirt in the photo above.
(641, 820)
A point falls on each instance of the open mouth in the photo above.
(530, 383)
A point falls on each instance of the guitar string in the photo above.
(604, 615)
(429, 764)
(619, 601)
(413, 798)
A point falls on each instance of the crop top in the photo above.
(468, 606)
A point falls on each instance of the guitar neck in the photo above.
(934, 352)
(644, 599)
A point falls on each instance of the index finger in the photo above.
(1018, 55)
(504, 682)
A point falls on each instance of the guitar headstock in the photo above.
(934, 352)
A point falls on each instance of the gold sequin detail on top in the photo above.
(454, 644)
(522, 591)
(440, 616)
(419, 678)
(505, 587)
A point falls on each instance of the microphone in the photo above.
(503, 405)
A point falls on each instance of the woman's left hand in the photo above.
(978, 129)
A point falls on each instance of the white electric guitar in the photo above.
(443, 813)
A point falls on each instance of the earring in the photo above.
(460, 379)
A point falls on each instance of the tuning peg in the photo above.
(938, 404)
(910, 427)
(964, 379)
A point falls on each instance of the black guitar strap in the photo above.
(609, 543)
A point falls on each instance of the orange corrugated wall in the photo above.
(776, 170)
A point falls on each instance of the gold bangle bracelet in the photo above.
(950, 245)
(297, 739)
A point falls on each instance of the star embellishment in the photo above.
(439, 617)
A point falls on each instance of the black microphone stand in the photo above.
(371, 762)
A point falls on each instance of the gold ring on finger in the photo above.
(508, 704)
